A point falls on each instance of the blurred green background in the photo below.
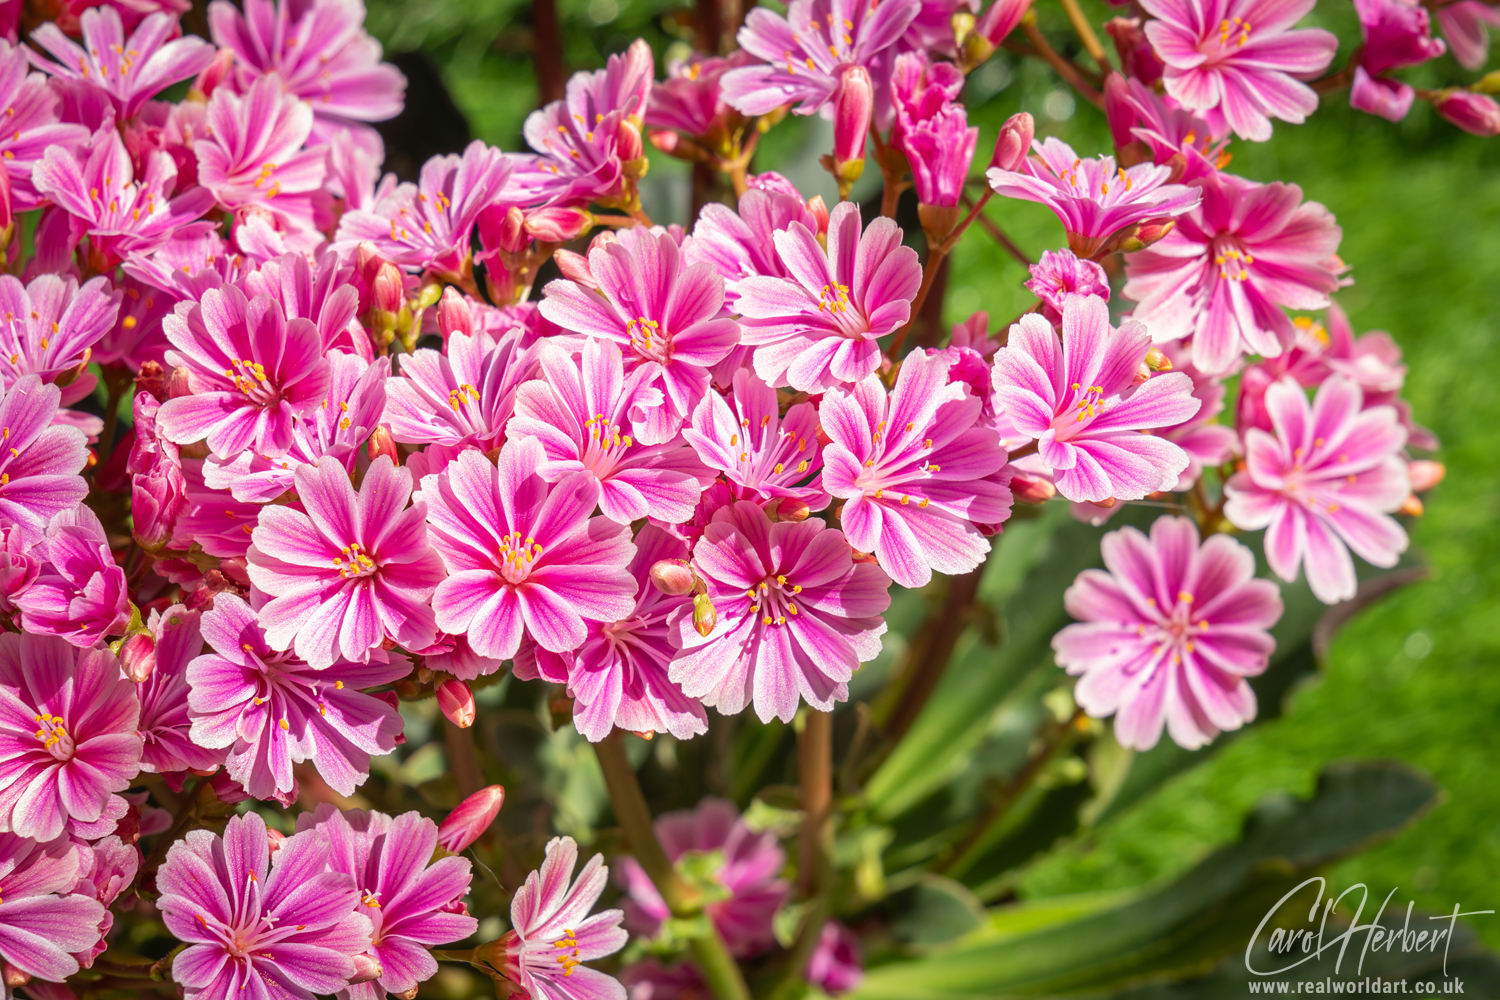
(1417, 676)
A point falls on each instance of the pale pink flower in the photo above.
(40, 461)
(47, 917)
(31, 124)
(253, 153)
(463, 396)
(1059, 276)
(1466, 24)
(165, 722)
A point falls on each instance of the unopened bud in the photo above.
(1425, 474)
(15, 977)
(7, 213)
(381, 443)
(274, 839)
(411, 994)
(788, 509)
(665, 140)
(152, 380)
(511, 231)
(575, 267)
(388, 291)
(962, 24)
(366, 968)
(705, 618)
(179, 383)
(602, 239)
(854, 104)
(1014, 142)
(819, 209)
(1411, 506)
(1477, 114)
(1031, 489)
(454, 314)
(628, 142)
(213, 74)
(457, 703)
(1157, 360)
(467, 823)
(1147, 233)
(1000, 19)
(558, 224)
(672, 577)
(1141, 374)
(138, 656)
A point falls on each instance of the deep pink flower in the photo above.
(1477, 114)
(81, 593)
(30, 126)
(930, 128)
(1240, 59)
(740, 243)
(818, 328)
(320, 288)
(796, 615)
(250, 369)
(1079, 400)
(1397, 34)
(1060, 276)
(691, 99)
(354, 570)
(290, 929)
(130, 71)
(920, 475)
(1383, 96)
(463, 396)
(1094, 198)
(1168, 634)
(1466, 25)
(618, 677)
(805, 53)
(40, 461)
(46, 916)
(1324, 483)
(272, 710)
(1223, 273)
(50, 325)
(761, 453)
(523, 555)
(648, 979)
(253, 153)
(67, 736)
(664, 314)
(552, 933)
(20, 565)
(411, 905)
(165, 722)
(837, 964)
(748, 874)
(137, 336)
(1166, 128)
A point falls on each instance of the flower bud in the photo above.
(672, 577)
(1142, 373)
(381, 443)
(1425, 474)
(467, 823)
(138, 656)
(665, 140)
(178, 383)
(15, 977)
(274, 839)
(854, 104)
(603, 238)
(387, 290)
(504, 231)
(1157, 360)
(1001, 19)
(1411, 506)
(788, 509)
(1031, 489)
(558, 225)
(1477, 114)
(1014, 142)
(575, 267)
(1141, 236)
(1137, 58)
(457, 702)
(705, 618)
(628, 142)
(819, 209)
(454, 314)
(366, 968)
(213, 74)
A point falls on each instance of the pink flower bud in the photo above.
(557, 224)
(819, 209)
(178, 383)
(366, 968)
(381, 443)
(1028, 489)
(1157, 360)
(274, 839)
(454, 314)
(138, 656)
(467, 823)
(1014, 142)
(15, 977)
(854, 103)
(213, 74)
(603, 238)
(1474, 113)
(628, 142)
(457, 703)
(788, 509)
(672, 577)
(1001, 19)
(575, 267)
(665, 140)
(503, 229)
(1425, 474)
(387, 290)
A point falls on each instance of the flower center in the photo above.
(605, 447)
(568, 945)
(1233, 32)
(1232, 260)
(1173, 630)
(647, 338)
(457, 398)
(516, 557)
(773, 599)
(249, 377)
(834, 300)
(354, 563)
(53, 733)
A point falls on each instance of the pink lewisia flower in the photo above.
(552, 933)
(251, 371)
(411, 905)
(837, 964)
(796, 615)
(290, 930)
(107, 869)
(50, 326)
(1324, 483)
(1169, 633)
(81, 593)
(1094, 198)
(1168, 130)
(523, 555)
(31, 126)
(354, 570)
(664, 315)
(1060, 276)
(930, 128)
(130, 71)
(691, 98)
(20, 564)
(319, 288)
(805, 53)
(46, 916)
(761, 453)
(740, 243)
(165, 721)
(272, 710)
(818, 328)
(1221, 275)
(618, 677)
(1208, 444)
(1466, 25)
(1240, 59)
(253, 153)
(40, 461)
(136, 336)
(67, 735)
(463, 396)
(580, 411)
(921, 476)
(747, 873)
(1397, 35)
(1079, 400)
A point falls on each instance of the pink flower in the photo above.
(1079, 400)
(1167, 129)
(618, 677)
(1169, 633)
(1323, 483)
(253, 154)
(1383, 96)
(31, 126)
(1094, 198)
(1060, 276)
(136, 336)
(291, 930)
(20, 564)
(691, 98)
(411, 905)
(67, 736)
(50, 326)
(664, 315)
(40, 461)
(837, 964)
(272, 710)
(580, 412)
(920, 475)
(742, 243)
(552, 933)
(462, 397)
(930, 128)
(354, 570)
(818, 328)
(1221, 275)
(804, 54)
(1240, 59)
(523, 556)
(1466, 25)
(251, 371)
(130, 71)
(107, 869)
(747, 874)
(796, 615)
(1208, 444)
(762, 454)
(1397, 35)
(81, 593)
(47, 916)
(165, 722)
(1477, 114)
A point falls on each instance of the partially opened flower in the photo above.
(30, 126)
(1466, 25)
(81, 593)
(1396, 35)
(837, 964)
(67, 736)
(290, 929)
(1168, 634)
(40, 461)
(1169, 130)
(47, 917)
(691, 98)
(1059, 276)
(253, 152)
(796, 615)
(271, 709)
(165, 723)
(108, 869)
(51, 324)
(1326, 481)
(741, 242)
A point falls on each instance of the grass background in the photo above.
(1416, 677)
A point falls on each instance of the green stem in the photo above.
(1085, 32)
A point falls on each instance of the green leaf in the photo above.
(935, 910)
